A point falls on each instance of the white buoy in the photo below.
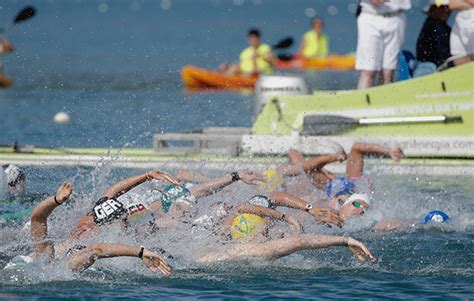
(61, 118)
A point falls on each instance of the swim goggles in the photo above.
(359, 205)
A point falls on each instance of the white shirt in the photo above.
(389, 6)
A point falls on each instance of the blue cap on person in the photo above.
(436, 216)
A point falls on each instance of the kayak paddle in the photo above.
(285, 56)
(23, 15)
(284, 43)
(331, 124)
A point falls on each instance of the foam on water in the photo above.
(419, 251)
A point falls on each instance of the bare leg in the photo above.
(86, 257)
(463, 60)
(355, 162)
(366, 79)
(387, 76)
(233, 69)
(285, 246)
(39, 219)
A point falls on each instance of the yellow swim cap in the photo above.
(246, 225)
(273, 180)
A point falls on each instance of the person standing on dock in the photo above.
(433, 41)
(315, 42)
(381, 33)
(462, 35)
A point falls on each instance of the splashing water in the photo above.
(440, 252)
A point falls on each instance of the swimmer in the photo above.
(15, 178)
(324, 216)
(433, 217)
(249, 227)
(15, 204)
(339, 189)
(172, 201)
(81, 257)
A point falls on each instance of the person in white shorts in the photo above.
(462, 36)
(381, 33)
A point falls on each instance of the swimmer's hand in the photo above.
(341, 155)
(396, 154)
(154, 262)
(294, 225)
(251, 177)
(359, 250)
(64, 191)
(161, 176)
(326, 217)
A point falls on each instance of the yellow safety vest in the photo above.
(314, 45)
(246, 60)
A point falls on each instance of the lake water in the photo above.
(114, 67)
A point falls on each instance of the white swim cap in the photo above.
(14, 175)
(260, 200)
(358, 197)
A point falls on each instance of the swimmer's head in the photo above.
(15, 178)
(247, 226)
(273, 180)
(340, 186)
(436, 216)
(354, 206)
(260, 200)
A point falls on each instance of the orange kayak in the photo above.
(200, 78)
(332, 62)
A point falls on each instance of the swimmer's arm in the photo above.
(130, 183)
(293, 169)
(191, 177)
(385, 225)
(226, 225)
(365, 149)
(287, 200)
(247, 176)
(86, 257)
(322, 215)
(318, 162)
(270, 213)
(211, 187)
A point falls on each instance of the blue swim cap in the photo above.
(340, 186)
(436, 216)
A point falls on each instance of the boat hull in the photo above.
(449, 93)
(200, 78)
(332, 62)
